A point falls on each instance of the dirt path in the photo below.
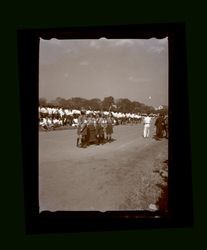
(114, 176)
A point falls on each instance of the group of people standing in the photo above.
(96, 129)
(161, 124)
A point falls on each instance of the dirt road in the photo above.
(115, 176)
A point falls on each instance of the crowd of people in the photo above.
(51, 118)
(96, 127)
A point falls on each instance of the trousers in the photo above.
(146, 132)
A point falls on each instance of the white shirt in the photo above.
(49, 122)
(49, 111)
(55, 121)
(147, 120)
(43, 110)
(43, 122)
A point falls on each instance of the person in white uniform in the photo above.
(147, 121)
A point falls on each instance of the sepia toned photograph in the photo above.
(103, 124)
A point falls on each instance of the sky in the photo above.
(136, 69)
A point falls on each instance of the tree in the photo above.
(59, 102)
(79, 102)
(107, 102)
(42, 102)
(136, 107)
(124, 105)
(94, 104)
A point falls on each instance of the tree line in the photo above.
(123, 105)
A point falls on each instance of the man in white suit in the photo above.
(147, 121)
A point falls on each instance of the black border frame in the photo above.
(180, 212)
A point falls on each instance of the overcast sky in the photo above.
(136, 69)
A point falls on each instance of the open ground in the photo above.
(123, 175)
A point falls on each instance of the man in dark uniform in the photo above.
(166, 126)
(82, 130)
(159, 123)
(109, 128)
(91, 136)
(100, 128)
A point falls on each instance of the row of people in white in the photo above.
(48, 123)
(62, 112)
